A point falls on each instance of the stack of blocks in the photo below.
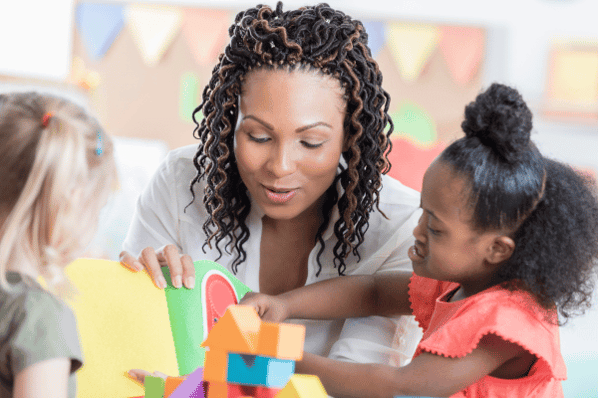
(245, 358)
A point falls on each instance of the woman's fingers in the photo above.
(180, 266)
(152, 265)
(130, 262)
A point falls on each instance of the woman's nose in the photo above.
(282, 161)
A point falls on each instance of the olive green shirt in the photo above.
(34, 326)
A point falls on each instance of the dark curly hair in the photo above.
(549, 209)
(317, 38)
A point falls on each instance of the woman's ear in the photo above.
(501, 249)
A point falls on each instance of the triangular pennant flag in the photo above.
(411, 44)
(206, 32)
(414, 123)
(376, 38)
(98, 25)
(463, 49)
(153, 28)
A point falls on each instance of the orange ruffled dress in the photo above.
(455, 329)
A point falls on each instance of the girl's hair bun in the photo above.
(501, 120)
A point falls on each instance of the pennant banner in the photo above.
(153, 28)
(413, 123)
(412, 45)
(463, 50)
(206, 32)
(376, 37)
(98, 25)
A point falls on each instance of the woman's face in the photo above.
(288, 139)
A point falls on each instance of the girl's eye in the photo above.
(310, 145)
(259, 140)
(433, 231)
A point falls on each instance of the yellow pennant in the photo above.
(411, 45)
(153, 28)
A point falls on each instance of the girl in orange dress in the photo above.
(505, 251)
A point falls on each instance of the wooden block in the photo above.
(171, 384)
(215, 366)
(281, 340)
(191, 387)
(216, 389)
(236, 331)
(303, 386)
(154, 387)
(262, 370)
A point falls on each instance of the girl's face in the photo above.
(288, 139)
(446, 247)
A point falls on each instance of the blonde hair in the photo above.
(57, 169)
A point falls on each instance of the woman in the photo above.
(288, 186)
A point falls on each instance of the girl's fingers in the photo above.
(150, 260)
(139, 375)
(130, 262)
(188, 271)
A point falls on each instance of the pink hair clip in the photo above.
(46, 119)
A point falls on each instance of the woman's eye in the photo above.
(311, 145)
(258, 139)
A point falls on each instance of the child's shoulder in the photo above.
(28, 305)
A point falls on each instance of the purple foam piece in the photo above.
(192, 387)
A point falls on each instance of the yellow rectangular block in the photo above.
(215, 366)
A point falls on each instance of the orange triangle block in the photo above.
(236, 331)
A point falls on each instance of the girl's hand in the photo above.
(181, 267)
(269, 308)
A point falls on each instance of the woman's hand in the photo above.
(180, 266)
(269, 308)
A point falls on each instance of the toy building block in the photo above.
(303, 386)
(191, 387)
(265, 371)
(154, 387)
(217, 389)
(281, 340)
(265, 392)
(236, 331)
(215, 367)
(171, 384)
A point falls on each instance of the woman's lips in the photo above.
(280, 195)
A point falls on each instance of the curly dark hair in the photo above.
(322, 40)
(549, 209)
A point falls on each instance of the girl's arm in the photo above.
(342, 297)
(427, 375)
(47, 378)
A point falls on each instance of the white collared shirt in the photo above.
(160, 218)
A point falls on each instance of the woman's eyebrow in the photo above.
(298, 130)
(260, 121)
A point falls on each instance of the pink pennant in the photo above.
(463, 49)
(206, 32)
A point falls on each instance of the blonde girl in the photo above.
(57, 169)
